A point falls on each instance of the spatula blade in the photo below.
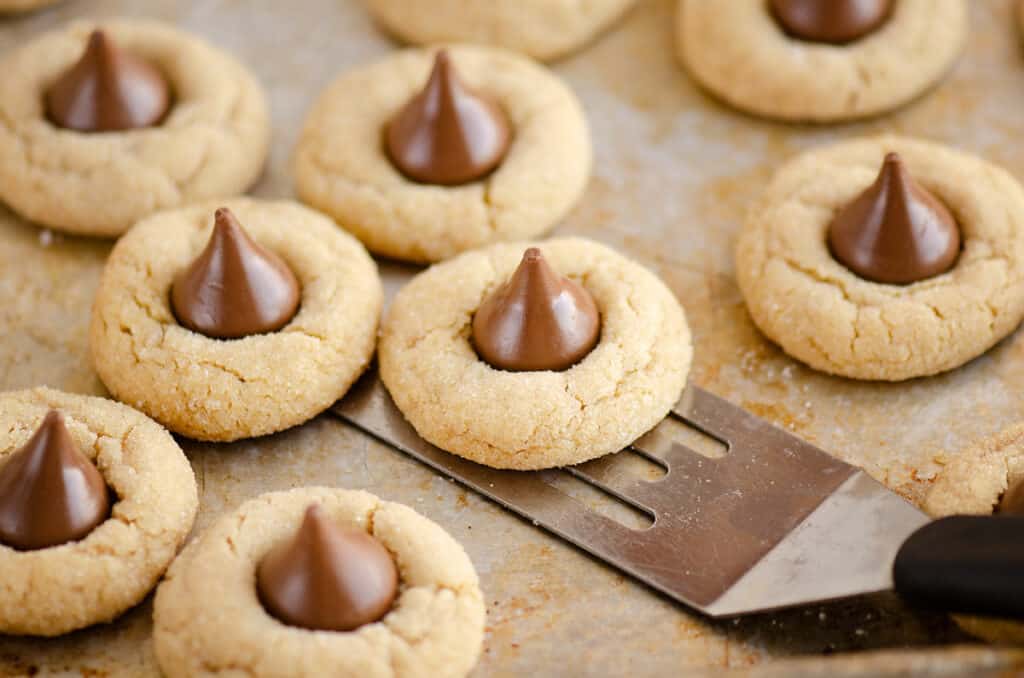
(775, 522)
(845, 547)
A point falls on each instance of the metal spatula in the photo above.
(774, 523)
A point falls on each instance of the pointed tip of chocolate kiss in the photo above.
(99, 43)
(53, 419)
(442, 59)
(447, 134)
(327, 577)
(108, 90)
(895, 232)
(50, 493)
(235, 287)
(226, 225)
(538, 320)
(834, 22)
(314, 520)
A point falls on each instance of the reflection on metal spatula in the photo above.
(774, 523)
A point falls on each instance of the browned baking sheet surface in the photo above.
(674, 173)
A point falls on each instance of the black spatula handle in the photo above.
(967, 564)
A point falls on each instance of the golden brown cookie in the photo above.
(213, 142)
(542, 29)
(209, 620)
(824, 315)
(342, 169)
(51, 591)
(538, 419)
(214, 389)
(739, 52)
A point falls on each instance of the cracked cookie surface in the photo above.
(214, 140)
(209, 621)
(533, 420)
(52, 591)
(739, 52)
(972, 484)
(824, 315)
(543, 29)
(342, 169)
(211, 389)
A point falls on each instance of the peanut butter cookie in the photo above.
(823, 314)
(542, 29)
(742, 52)
(212, 141)
(535, 418)
(213, 387)
(342, 166)
(54, 590)
(209, 619)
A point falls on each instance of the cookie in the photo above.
(824, 315)
(535, 419)
(972, 483)
(542, 29)
(214, 140)
(208, 619)
(13, 6)
(55, 590)
(740, 53)
(342, 169)
(221, 390)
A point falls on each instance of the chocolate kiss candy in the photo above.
(895, 232)
(447, 134)
(327, 577)
(538, 320)
(50, 493)
(832, 21)
(1012, 503)
(108, 90)
(235, 288)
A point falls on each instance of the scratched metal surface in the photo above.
(674, 174)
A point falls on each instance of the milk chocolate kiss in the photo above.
(895, 232)
(538, 320)
(50, 493)
(235, 287)
(108, 90)
(831, 21)
(447, 134)
(327, 577)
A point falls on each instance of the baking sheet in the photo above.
(673, 176)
